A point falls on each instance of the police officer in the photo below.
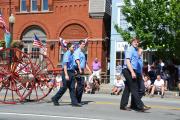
(80, 65)
(140, 81)
(68, 78)
(131, 76)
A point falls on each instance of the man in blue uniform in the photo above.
(131, 75)
(68, 78)
(80, 66)
(140, 81)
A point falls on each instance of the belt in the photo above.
(128, 69)
(70, 70)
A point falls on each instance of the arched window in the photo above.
(27, 38)
(73, 32)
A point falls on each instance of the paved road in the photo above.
(97, 107)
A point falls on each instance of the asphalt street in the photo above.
(96, 107)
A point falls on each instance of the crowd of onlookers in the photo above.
(158, 78)
(162, 76)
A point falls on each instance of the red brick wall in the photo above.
(55, 23)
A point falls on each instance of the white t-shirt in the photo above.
(119, 83)
(159, 83)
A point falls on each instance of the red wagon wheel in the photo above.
(15, 76)
(44, 76)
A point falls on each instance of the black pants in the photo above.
(80, 88)
(131, 86)
(141, 90)
(67, 84)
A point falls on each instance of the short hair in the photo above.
(69, 45)
(134, 40)
(81, 41)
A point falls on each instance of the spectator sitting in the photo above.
(95, 85)
(118, 85)
(92, 85)
(158, 86)
(88, 87)
(147, 84)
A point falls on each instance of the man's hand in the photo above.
(80, 71)
(133, 74)
(67, 77)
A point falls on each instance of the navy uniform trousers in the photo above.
(131, 86)
(80, 86)
(141, 90)
(67, 84)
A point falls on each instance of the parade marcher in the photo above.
(68, 78)
(131, 76)
(140, 81)
(80, 66)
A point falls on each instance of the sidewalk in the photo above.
(106, 89)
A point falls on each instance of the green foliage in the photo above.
(2, 43)
(17, 44)
(155, 22)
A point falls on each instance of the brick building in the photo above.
(70, 19)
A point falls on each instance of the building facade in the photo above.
(118, 45)
(70, 19)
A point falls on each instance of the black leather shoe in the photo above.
(76, 105)
(142, 110)
(55, 102)
(133, 108)
(125, 108)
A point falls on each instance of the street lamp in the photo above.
(11, 23)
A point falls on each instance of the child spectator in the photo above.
(147, 84)
(158, 86)
(59, 81)
(118, 85)
(93, 85)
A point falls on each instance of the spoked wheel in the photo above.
(15, 76)
(44, 76)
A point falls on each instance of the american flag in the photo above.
(37, 42)
(86, 41)
(5, 28)
(63, 42)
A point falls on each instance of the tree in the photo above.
(155, 22)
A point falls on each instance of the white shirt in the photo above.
(119, 83)
(159, 83)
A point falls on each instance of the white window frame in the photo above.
(42, 6)
(32, 6)
(21, 6)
